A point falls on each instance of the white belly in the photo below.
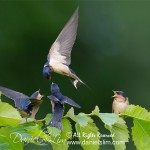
(119, 107)
(60, 69)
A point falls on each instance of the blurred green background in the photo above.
(111, 52)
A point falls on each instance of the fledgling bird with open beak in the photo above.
(27, 106)
(57, 101)
(120, 102)
(59, 57)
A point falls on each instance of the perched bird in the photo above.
(27, 106)
(59, 57)
(120, 102)
(57, 101)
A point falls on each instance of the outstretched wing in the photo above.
(21, 100)
(60, 52)
(53, 98)
(69, 101)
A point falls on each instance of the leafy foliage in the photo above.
(116, 126)
(81, 118)
(120, 134)
(0, 95)
(58, 138)
(86, 130)
(15, 132)
(141, 134)
(8, 141)
(9, 115)
(107, 118)
(88, 136)
(136, 112)
(141, 128)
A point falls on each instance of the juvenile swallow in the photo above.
(57, 101)
(59, 57)
(27, 106)
(120, 102)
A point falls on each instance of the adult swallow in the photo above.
(59, 57)
(27, 106)
(57, 101)
(120, 102)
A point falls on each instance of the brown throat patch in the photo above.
(51, 68)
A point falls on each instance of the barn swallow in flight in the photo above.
(59, 57)
(27, 106)
(57, 101)
(120, 102)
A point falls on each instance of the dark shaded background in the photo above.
(112, 51)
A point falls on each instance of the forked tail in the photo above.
(77, 82)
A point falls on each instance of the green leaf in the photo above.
(88, 136)
(86, 130)
(140, 131)
(60, 141)
(96, 111)
(53, 131)
(119, 133)
(31, 133)
(9, 141)
(48, 118)
(66, 129)
(81, 118)
(0, 95)
(141, 134)
(109, 118)
(71, 115)
(136, 112)
(9, 115)
(58, 138)
(24, 120)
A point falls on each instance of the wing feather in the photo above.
(61, 49)
(19, 98)
(53, 98)
(70, 102)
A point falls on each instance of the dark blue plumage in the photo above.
(57, 101)
(58, 112)
(62, 99)
(120, 93)
(47, 71)
(28, 106)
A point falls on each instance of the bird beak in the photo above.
(42, 96)
(39, 97)
(115, 94)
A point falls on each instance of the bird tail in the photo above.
(77, 82)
